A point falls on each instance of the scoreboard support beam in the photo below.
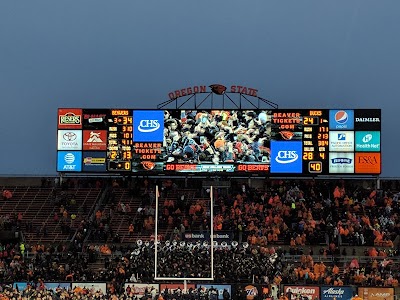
(238, 100)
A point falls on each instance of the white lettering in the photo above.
(286, 157)
(369, 120)
(148, 125)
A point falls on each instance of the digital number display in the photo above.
(315, 167)
(263, 141)
(120, 140)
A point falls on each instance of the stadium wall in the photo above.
(246, 291)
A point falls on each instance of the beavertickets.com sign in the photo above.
(310, 292)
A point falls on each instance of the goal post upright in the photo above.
(185, 279)
(212, 230)
(156, 236)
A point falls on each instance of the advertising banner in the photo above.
(341, 119)
(219, 287)
(96, 119)
(57, 285)
(20, 285)
(286, 157)
(138, 289)
(94, 161)
(341, 162)
(48, 285)
(367, 119)
(174, 286)
(95, 140)
(148, 126)
(368, 141)
(341, 141)
(376, 293)
(69, 140)
(251, 291)
(92, 286)
(369, 163)
(307, 292)
(69, 118)
(219, 236)
(337, 292)
(69, 161)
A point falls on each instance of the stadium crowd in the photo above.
(270, 225)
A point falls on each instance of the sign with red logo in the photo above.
(310, 292)
(95, 140)
(69, 118)
(368, 163)
(139, 289)
(251, 291)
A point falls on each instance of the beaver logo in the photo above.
(148, 165)
(218, 89)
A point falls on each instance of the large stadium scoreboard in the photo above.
(282, 141)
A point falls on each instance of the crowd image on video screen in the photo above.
(217, 136)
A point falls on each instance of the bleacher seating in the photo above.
(304, 201)
(37, 205)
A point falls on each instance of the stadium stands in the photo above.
(287, 232)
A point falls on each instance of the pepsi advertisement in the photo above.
(264, 142)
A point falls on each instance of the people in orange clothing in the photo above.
(356, 297)
(335, 270)
(338, 282)
(283, 297)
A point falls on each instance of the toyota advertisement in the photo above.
(265, 142)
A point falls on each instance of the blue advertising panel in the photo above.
(94, 161)
(69, 161)
(148, 125)
(341, 119)
(219, 287)
(368, 141)
(57, 285)
(337, 292)
(286, 157)
(20, 285)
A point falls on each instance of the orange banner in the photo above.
(376, 293)
(368, 163)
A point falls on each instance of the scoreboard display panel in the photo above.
(306, 142)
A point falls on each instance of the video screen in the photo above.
(217, 137)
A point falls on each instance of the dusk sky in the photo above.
(131, 54)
